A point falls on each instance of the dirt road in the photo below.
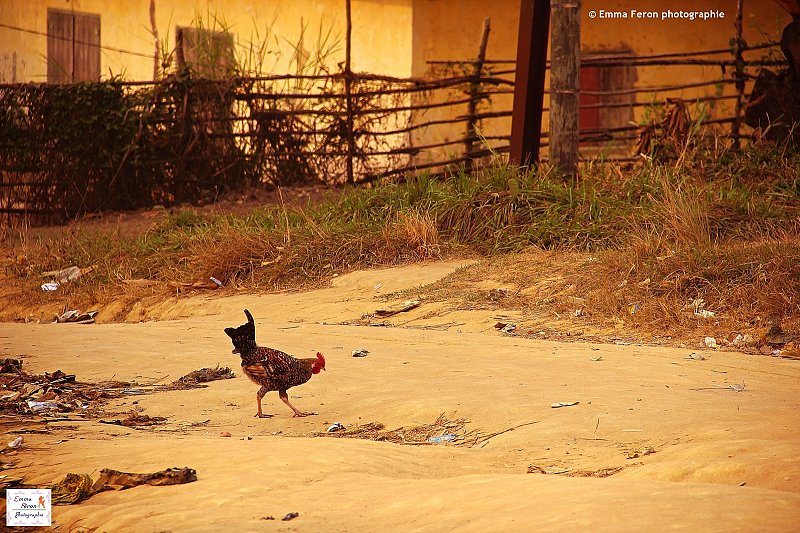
(689, 450)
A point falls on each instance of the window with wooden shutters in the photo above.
(73, 46)
(209, 54)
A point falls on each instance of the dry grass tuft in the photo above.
(652, 285)
(413, 233)
(682, 216)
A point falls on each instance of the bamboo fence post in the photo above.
(157, 44)
(738, 52)
(565, 85)
(348, 91)
(475, 96)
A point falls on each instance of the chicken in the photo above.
(273, 369)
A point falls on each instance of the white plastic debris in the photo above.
(74, 315)
(217, 282)
(66, 316)
(336, 426)
(498, 294)
(711, 342)
(556, 405)
(442, 438)
(360, 352)
(16, 443)
(743, 340)
(698, 308)
(508, 328)
(41, 406)
(52, 286)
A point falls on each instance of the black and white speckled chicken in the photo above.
(273, 369)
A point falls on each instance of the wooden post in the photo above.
(526, 121)
(474, 96)
(565, 50)
(348, 90)
(738, 52)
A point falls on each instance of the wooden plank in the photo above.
(565, 85)
(208, 53)
(186, 43)
(60, 36)
(408, 305)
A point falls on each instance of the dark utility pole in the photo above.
(526, 122)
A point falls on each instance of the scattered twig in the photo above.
(483, 440)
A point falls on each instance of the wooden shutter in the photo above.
(73, 46)
(60, 36)
(208, 53)
(86, 58)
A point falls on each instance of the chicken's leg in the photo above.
(285, 398)
(259, 395)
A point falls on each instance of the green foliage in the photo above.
(96, 146)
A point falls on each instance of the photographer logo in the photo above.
(28, 507)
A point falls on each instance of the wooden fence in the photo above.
(120, 145)
(731, 85)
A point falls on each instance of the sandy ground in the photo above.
(696, 454)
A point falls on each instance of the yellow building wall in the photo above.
(381, 32)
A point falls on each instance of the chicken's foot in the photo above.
(297, 412)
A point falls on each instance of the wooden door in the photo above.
(589, 118)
